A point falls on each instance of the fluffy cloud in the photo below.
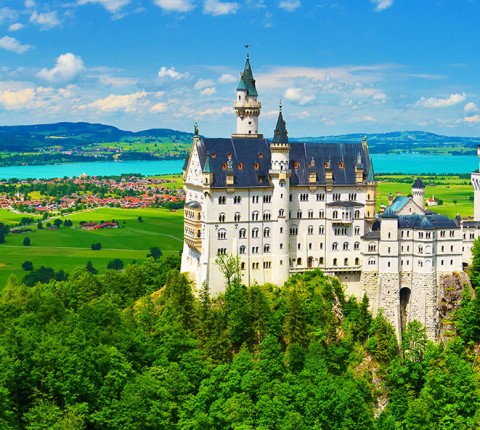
(474, 119)
(20, 99)
(227, 78)
(46, 20)
(171, 73)
(11, 44)
(68, 67)
(216, 8)
(469, 108)
(203, 83)
(111, 5)
(175, 5)
(116, 81)
(432, 102)
(296, 94)
(158, 108)
(208, 91)
(15, 27)
(119, 103)
(374, 94)
(382, 4)
(289, 5)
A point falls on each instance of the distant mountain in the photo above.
(27, 138)
(405, 141)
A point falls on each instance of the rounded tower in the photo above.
(247, 107)
(476, 190)
(418, 192)
(280, 176)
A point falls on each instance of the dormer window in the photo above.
(260, 155)
(296, 164)
(240, 166)
(214, 155)
(256, 166)
(224, 166)
(341, 165)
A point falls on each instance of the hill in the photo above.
(406, 141)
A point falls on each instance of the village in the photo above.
(66, 195)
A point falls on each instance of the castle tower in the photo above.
(476, 187)
(247, 107)
(280, 176)
(418, 192)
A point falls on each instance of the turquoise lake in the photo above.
(383, 163)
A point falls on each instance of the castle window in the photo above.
(303, 197)
(236, 217)
(336, 196)
(266, 232)
(267, 264)
(299, 246)
(291, 197)
(255, 216)
(254, 249)
(242, 265)
(420, 235)
(267, 216)
(267, 199)
(255, 232)
(254, 199)
(442, 233)
(240, 166)
(451, 262)
(452, 233)
(389, 250)
(266, 249)
(389, 235)
(224, 166)
(345, 262)
(345, 246)
(299, 261)
(321, 245)
(243, 249)
(420, 249)
(281, 213)
(356, 246)
(372, 247)
(256, 166)
(222, 234)
(335, 214)
(214, 155)
(356, 214)
(320, 197)
(242, 234)
(357, 261)
(441, 262)
(320, 260)
(357, 230)
(334, 261)
(237, 200)
(321, 214)
(310, 214)
(371, 262)
(310, 246)
(296, 164)
(451, 248)
(420, 264)
(255, 266)
(222, 200)
(341, 165)
(299, 214)
(321, 230)
(221, 217)
(221, 251)
(281, 229)
(293, 230)
(443, 248)
(388, 264)
(310, 229)
(334, 246)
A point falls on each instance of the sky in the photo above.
(336, 66)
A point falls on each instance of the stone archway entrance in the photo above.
(404, 306)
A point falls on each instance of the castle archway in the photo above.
(404, 306)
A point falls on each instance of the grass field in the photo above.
(453, 190)
(69, 247)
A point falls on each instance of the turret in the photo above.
(476, 190)
(247, 107)
(280, 176)
(418, 192)
(207, 172)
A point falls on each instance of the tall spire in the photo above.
(281, 134)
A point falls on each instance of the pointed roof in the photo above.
(389, 213)
(247, 83)
(207, 168)
(418, 184)
(280, 135)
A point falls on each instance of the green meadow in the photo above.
(70, 247)
(455, 191)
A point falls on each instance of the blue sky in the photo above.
(339, 66)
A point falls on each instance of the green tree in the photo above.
(229, 266)
(26, 241)
(27, 265)
(116, 264)
(90, 267)
(155, 253)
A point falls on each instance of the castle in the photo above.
(287, 207)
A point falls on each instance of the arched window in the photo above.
(221, 217)
(356, 246)
(293, 230)
(281, 213)
(335, 214)
(267, 216)
(299, 261)
(357, 230)
(357, 214)
(310, 229)
(242, 234)
(372, 247)
(345, 246)
(222, 234)
(243, 249)
(299, 214)
(255, 232)
(334, 261)
(266, 232)
(242, 265)
(334, 246)
(321, 230)
(345, 262)
(357, 261)
(266, 248)
(255, 216)
(236, 217)
(320, 260)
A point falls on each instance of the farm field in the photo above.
(455, 191)
(70, 247)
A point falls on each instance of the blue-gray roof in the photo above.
(280, 135)
(247, 83)
(418, 184)
(399, 203)
(251, 161)
(389, 213)
(426, 222)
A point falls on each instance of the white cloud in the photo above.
(11, 44)
(68, 67)
(111, 5)
(432, 102)
(46, 20)
(469, 108)
(216, 111)
(171, 73)
(474, 119)
(227, 78)
(116, 81)
(158, 108)
(15, 27)
(216, 8)
(289, 5)
(115, 103)
(203, 83)
(175, 5)
(296, 94)
(382, 4)
(208, 91)
(20, 99)
(374, 94)
(30, 4)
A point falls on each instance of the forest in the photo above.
(138, 349)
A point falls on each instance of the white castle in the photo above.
(288, 207)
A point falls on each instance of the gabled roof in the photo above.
(426, 222)
(251, 161)
(389, 213)
(247, 83)
(399, 203)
